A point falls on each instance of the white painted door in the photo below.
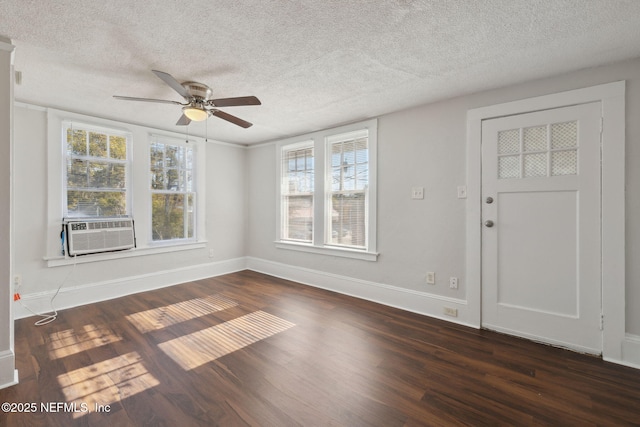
(541, 272)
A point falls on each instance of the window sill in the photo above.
(326, 250)
(58, 261)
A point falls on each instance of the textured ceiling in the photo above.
(314, 64)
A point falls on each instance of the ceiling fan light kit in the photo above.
(195, 114)
(197, 98)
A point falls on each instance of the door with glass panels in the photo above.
(541, 273)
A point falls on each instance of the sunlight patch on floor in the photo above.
(198, 348)
(107, 382)
(69, 342)
(161, 317)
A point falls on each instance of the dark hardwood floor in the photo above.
(250, 349)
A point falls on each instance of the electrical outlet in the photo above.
(462, 192)
(417, 193)
(431, 278)
(453, 312)
(211, 253)
(17, 280)
(453, 282)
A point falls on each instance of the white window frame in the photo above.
(69, 124)
(284, 192)
(166, 140)
(140, 137)
(322, 166)
(329, 192)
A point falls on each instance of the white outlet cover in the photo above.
(451, 311)
(417, 193)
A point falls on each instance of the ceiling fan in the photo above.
(198, 104)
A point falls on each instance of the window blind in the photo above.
(348, 192)
(297, 193)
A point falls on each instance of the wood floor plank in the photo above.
(344, 362)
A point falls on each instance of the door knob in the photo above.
(488, 223)
(489, 200)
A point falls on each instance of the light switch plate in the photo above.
(462, 192)
(431, 278)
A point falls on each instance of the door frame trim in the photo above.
(612, 100)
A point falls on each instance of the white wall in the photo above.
(426, 146)
(7, 359)
(221, 249)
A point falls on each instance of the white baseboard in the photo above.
(106, 290)
(406, 299)
(630, 351)
(8, 372)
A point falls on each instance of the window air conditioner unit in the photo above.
(92, 236)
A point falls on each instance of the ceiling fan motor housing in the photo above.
(198, 90)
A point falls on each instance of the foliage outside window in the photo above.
(96, 174)
(297, 193)
(173, 195)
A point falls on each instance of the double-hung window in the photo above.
(347, 210)
(327, 192)
(173, 190)
(297, 192)
(97, 172)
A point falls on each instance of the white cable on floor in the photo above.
(53, 314)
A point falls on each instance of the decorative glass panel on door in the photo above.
(509, 141)
(545, 150)
(509, 167)
(535, 165)
(564, 162)
(564, 135)
(535, 138)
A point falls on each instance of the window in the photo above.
(173, 196)
(348, 166)
(101, 169)
(327, 192)
(297, 192)
(96, 173)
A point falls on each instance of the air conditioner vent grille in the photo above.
(97, 236)
(99, 225)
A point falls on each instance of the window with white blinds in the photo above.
(327, 192)
(348, 168)
(297, 192)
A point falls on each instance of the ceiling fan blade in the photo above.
(131, 98)
(234, 102)
(183, 121)
(175, 85)
(232, 119)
